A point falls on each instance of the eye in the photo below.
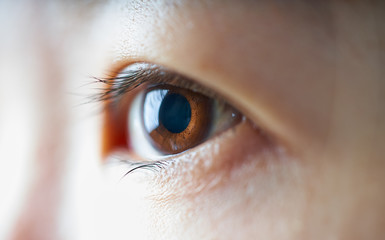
(165, 113)
(165, 119)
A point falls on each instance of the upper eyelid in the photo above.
(129, 79)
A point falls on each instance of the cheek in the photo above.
(239, 187)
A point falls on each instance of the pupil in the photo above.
(175, 113)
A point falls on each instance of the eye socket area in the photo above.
(163, 114)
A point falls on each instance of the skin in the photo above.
(306, 164)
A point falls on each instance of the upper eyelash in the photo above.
(126, 81)
(123, 83)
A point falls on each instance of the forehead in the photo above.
(88, 10)
(132, 27)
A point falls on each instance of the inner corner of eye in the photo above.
(167, 115)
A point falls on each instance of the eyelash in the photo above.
(124, 82)
(116, 87)
(155, 166)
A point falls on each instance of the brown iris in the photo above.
(176, 119)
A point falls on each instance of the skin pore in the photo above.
(306, 164)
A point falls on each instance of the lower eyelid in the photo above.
(213, 164)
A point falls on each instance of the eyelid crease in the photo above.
(137, 74)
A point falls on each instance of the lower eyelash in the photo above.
(152, 166)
